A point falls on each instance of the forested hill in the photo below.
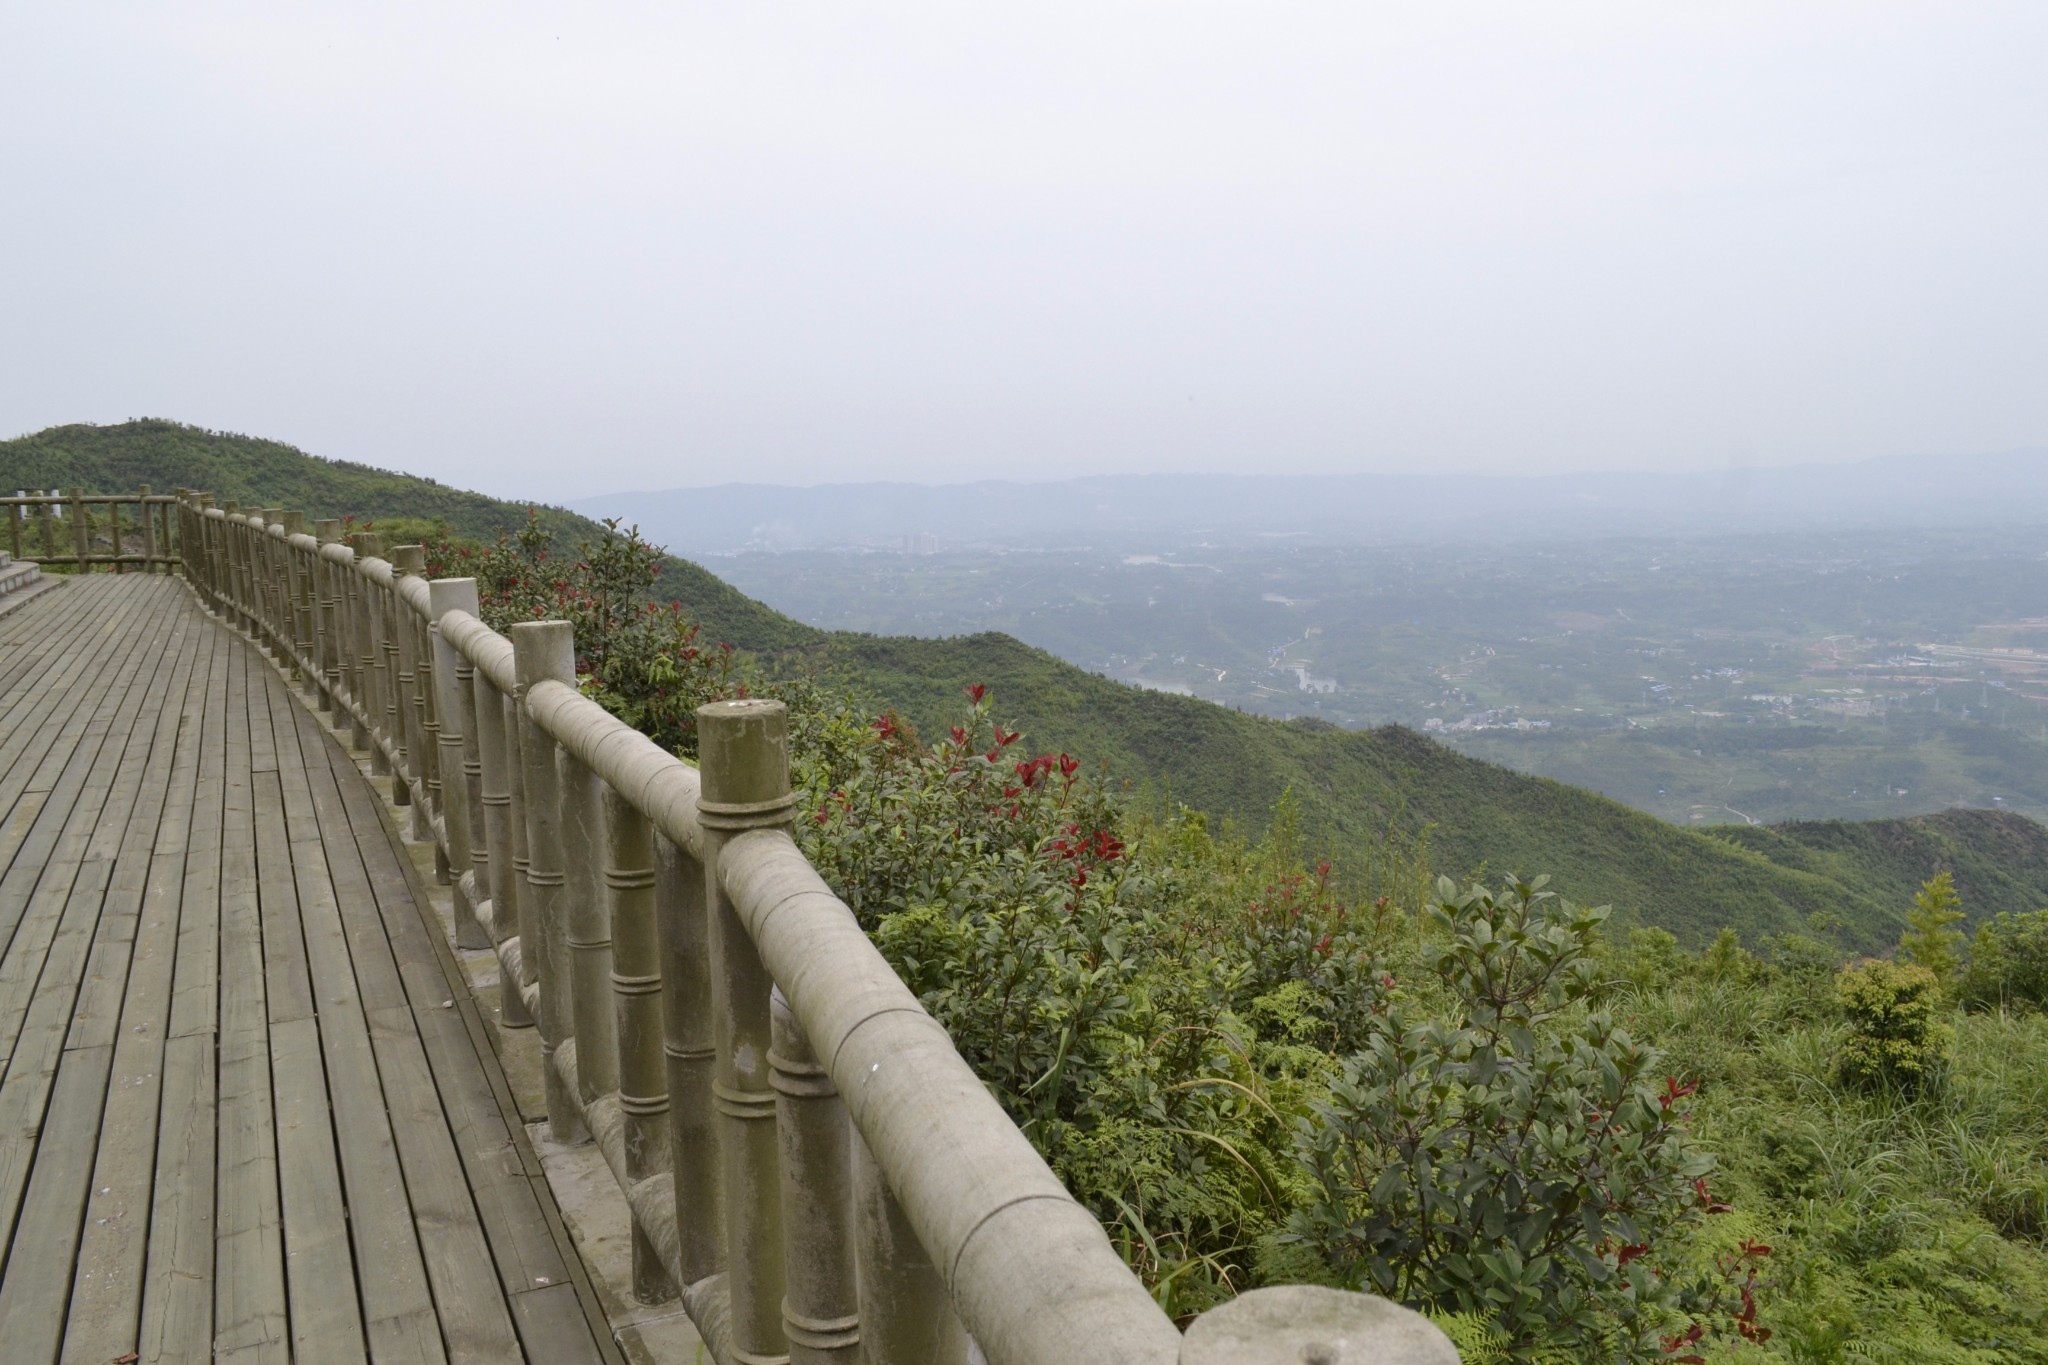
(258, 473)
(1351, 783)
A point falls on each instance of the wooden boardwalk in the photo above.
(247, 1109)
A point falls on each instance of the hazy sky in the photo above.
(550, 253)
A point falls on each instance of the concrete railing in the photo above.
(120, 531)
(809, 1163)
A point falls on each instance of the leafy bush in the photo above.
(1898, 1036)
(1519, 1160)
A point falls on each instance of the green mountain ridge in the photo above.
(1351, 784)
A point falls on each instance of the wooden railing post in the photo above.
(544, 650)
(689, 1048)
(633, 958)
(145, 511)
(821, 1311)
(744, 750)
(81, 531)
(461, 762)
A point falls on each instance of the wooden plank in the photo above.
(391, 1270)
(552, 1325)
(40, 976)
(514, 1203)
(177, 1295)
(250, 1316)
(288, 990)
(36, 1288)
(326, 1316)
(475, 1322)
(107, 1288)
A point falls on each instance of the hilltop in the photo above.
(1351, 784)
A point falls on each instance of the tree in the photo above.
(1930, 941)
(1898, 1036)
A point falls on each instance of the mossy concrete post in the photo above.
(689, 1049)
(461, 761)
(114, 534)
(520, 929)
(46, 526)
(587, 924)
(642, 1079)
(409, 561)
(906, 1316)
(299, 586)
(821, 1310)
(544, 651)
(1300, 1324)
(423, 705)
(327, 648)
(501, 864)
(743, 749)
(354, 651)
(276, 627)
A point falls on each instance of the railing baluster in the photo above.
(461, 765)
(905, 1315)
(504, 783)
(587, 927)
(642, 1079)
(401, 649)
(743, 746)
(821, 1311)
(690, 1053)
(543, 650)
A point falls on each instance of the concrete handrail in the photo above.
(809, 1162)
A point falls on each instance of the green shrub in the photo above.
(1522, 1161)
(1898, 1036)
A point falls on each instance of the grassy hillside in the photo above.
(1350, 783)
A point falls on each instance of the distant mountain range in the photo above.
(1944, 491)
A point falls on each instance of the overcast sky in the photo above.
(550, 254)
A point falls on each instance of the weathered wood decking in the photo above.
(240, 1118)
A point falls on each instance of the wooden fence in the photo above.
(86, 530)
(809, 1163)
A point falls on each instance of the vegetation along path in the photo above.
(244, 1113)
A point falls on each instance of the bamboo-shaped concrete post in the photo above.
(401, 651)
(1299, 1324)
(272, 593)
(356, 644)
(299, 584)
(821, 1311)
(519, 929)
(690, 1052)
(114, 533)
(502, 867)
(229, 564)
(328, 617)
(587, 926)
(461, 761)
(744, 749)
(543, 651)
(906, 1317)
(370, 650)
(81, 531)
(422, 708)
(46, 525)
(390, 687)
(636, 1000)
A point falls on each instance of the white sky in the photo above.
(554, 254)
